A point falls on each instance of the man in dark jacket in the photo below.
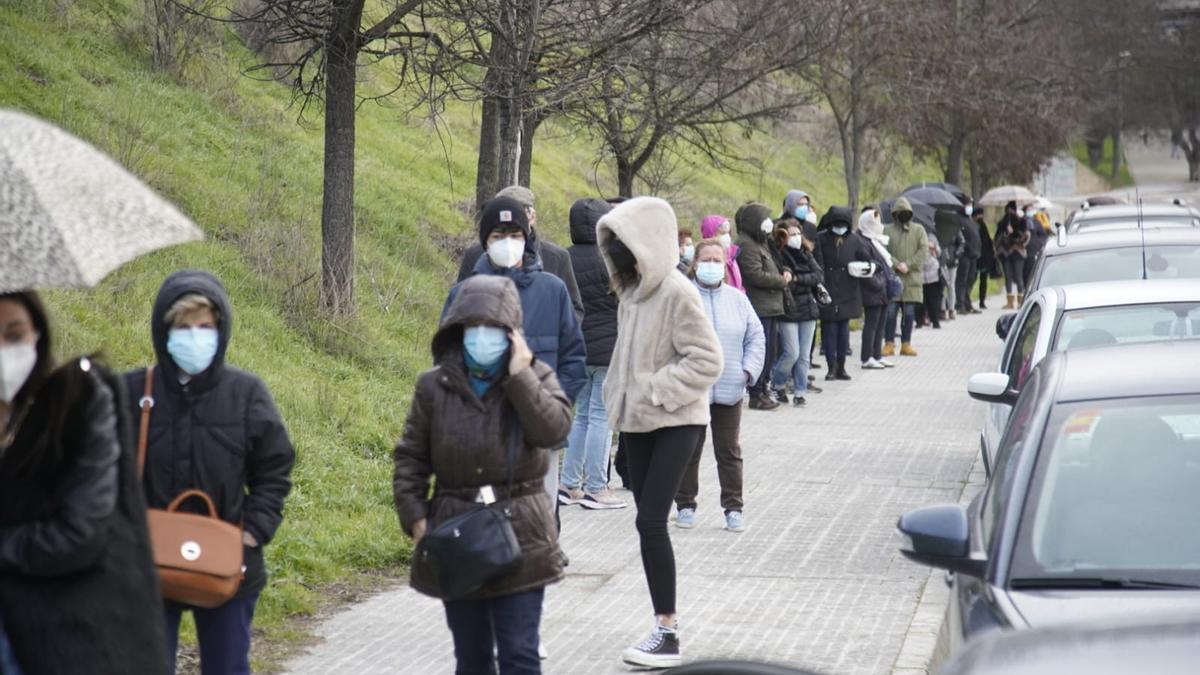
(554, 258)
(987, 258)
(837, 248)
(213, 428)
(968, 263)
(765, 285)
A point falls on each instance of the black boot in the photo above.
(831, 372)
(841, 370)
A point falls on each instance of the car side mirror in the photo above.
(991, 388)
(1004, 325)
(939, 536)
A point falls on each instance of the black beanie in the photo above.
(502, 212)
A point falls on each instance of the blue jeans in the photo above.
(835, 338)
(503, 628)
(8, 662)
(796, 339)
(590, 439)
(906, 326)
(223, 633)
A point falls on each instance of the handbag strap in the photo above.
(146, 403)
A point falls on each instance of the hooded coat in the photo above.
(835, 252)
(761, 275)
(733, 273)
(908, 244)
(987, 255)
(667, 354)
(550, 323)
(595, 289)
(78, 587)
(461, 441)
(220, 432)
(791, 201)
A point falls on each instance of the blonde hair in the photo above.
(705, 243)
(189, 304)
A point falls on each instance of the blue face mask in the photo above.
(710, 273)
(801, 212)
(840, 230)
(193, 349)
(485, 345)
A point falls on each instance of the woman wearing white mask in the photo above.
(78, 588)
(799, 325)
(719, 228)
(214, 428)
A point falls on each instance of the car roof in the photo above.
(1127, 292)
(1154, 236)
(1131, 211)
(1164, 368)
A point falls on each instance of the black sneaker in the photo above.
(799, 402)
(814, 366)
(763, 402)
(659, 650)
(781, 395)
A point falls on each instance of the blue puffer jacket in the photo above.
(743, 343)
(551, 329)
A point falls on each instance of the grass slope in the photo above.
(229, 150)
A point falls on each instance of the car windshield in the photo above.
(1119, 264)
(1115, 494)
(1099, 326)
(1126, 222)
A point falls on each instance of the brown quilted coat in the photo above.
(460, 441)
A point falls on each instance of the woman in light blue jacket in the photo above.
(744, 345)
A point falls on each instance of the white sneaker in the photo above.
(885, 363)
(603, 499)
(872, 364)
(542, 653)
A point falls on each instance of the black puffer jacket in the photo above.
(78, 588)
(806, 274)
(974, 240)
(834, 252)
(595, 290)
(219, 433)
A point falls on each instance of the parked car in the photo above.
(1085, 315)
(1090, 512)
(1126, 216)
(1115, 255)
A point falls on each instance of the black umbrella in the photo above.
(923, 213)
(935, 197)
(953, 189)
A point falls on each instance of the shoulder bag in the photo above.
(199, 557)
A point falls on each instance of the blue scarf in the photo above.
(481, 377)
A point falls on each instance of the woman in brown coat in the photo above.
(463, 413)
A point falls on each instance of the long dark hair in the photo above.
(43, 408)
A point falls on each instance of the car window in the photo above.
(1119, 264)
(1020, 362)
(1128, 222)
(1020, 425)
(1099, 326)
(1116, 492)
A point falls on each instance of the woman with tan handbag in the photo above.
(78, 592)
(212, 429)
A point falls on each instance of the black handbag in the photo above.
(465, 552)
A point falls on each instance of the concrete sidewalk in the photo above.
(815, 581)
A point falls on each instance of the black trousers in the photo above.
(933, 303)
(967, 269)
(762, 385)
(657, 461)
(872, 334)
(984, 274)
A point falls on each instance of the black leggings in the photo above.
(872, 334)
(657, 460)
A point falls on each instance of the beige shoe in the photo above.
(1011, 300)
(603, 499)
(889, 349)
(906, 349)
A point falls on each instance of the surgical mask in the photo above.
(506, 252)
(485, 345)
(767, 226)
(840, 230)
(970, 210)
(16, 364)
(801, 212)
(725, 240)
(192, 349)
(1020, 213)
(795, 241)
(710, 273)
(689, 252)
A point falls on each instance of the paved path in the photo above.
(815, 580)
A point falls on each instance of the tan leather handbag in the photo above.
(199, 557)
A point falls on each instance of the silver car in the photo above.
(1150, 253)
(1127, 216)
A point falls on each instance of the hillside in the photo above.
(231, 152)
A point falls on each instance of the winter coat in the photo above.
(733, 272)
(908, 244)
(1038, 234)
(953, 252)
(667, 354)
(1013, 243)
(743, 342)
(553, 258)
(874, 287)
(760, 271)
(78, 587)
(834, 252)
(973, 239)
(595, 289)
(219, 433)
(931, 269)
(806, 274)
(461, 442)
(551, 329)
(987, 256)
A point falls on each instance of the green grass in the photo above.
(1123, 179)
(230, 152)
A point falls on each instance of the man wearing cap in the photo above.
(555, 258)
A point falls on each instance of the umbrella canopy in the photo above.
(1008, 193)
(923, 213)
(953, 189)
(69, 215)
(935, 197)
(1042, 203)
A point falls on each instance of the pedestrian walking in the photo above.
(656, 393)
(988, 262)
(479, 429)
(743, 347)
(719, 228)
(844, 257)
(799, 325)
(765, 285)
(1012, 236)
(212, 428)
(908, 245)
(968, 262)
(932, 275)
(585, 467)
(879, 290)
(78, 588)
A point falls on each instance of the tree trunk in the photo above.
(508, 138)
(530, 125)
(625, 176)
(487, 169)
(337, 207)
(1118, 154)
(956, 151)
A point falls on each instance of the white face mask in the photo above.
(725, 240)
(970, 210)
(795, 241)
(1020, 213)
(16, 363)
(507, 252)
(689, 252)
(767, 226)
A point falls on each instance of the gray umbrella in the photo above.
(69, 215)
(935, 197)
